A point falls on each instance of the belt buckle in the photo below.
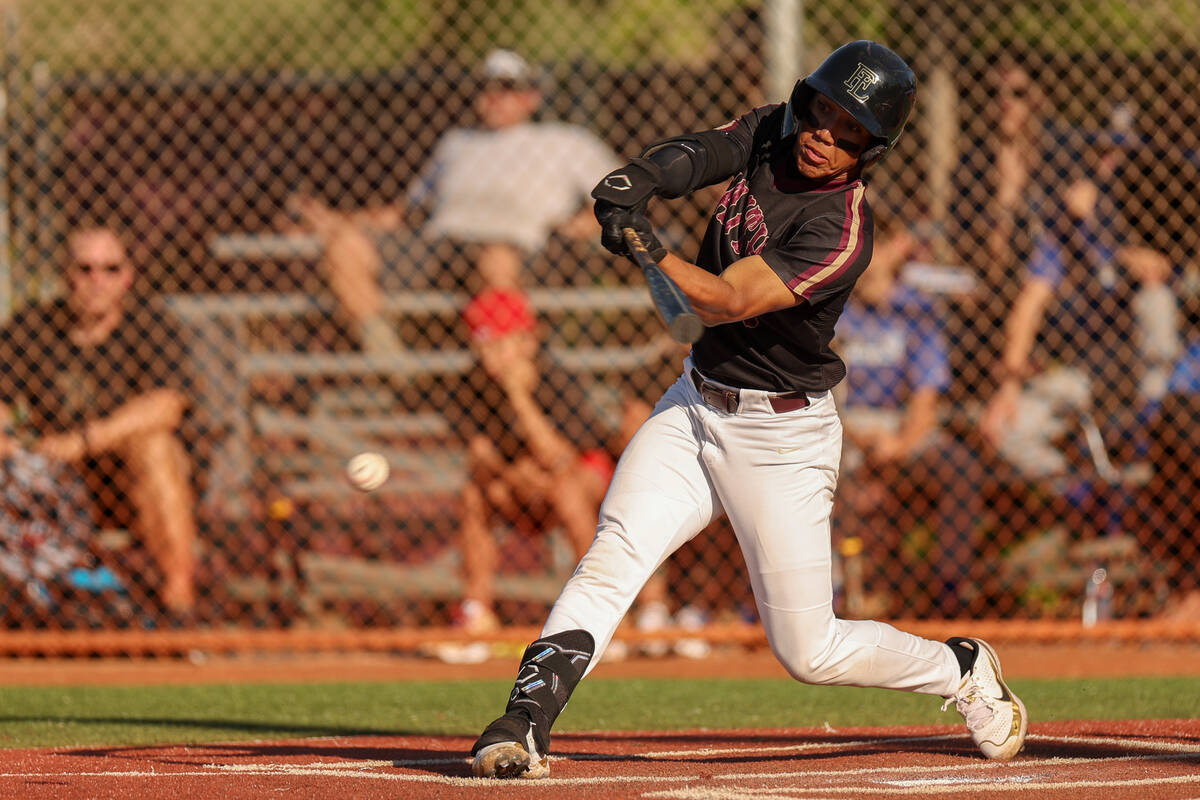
(723, 399)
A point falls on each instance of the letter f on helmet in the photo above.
(871, 83)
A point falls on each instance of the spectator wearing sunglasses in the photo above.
(99, 379)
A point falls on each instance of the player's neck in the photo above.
(843, 180)
(830, 184)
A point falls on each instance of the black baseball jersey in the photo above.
(817, 237)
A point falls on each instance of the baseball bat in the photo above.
(685, 327)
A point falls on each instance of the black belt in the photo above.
(727, 399)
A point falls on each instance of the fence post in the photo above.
(8, 60)
(785, 47)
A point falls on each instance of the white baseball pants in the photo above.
(774, 475)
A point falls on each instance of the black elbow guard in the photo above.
(695, 160)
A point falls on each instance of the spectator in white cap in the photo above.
(492, 194)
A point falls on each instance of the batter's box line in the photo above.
(1150, 744)
(802, 793)
(1167, 749)
(360, 765)
(1023, 763)
(802, 748)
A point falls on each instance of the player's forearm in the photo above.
(746, 289)
(712, 299)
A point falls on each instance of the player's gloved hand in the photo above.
(630, 186)
(613, 222)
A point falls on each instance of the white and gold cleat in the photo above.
(995, 716)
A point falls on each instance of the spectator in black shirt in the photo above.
(99, 379)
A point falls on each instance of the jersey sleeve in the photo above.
(744, 128)
(826, 254)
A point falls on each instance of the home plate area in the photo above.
(1145, 760)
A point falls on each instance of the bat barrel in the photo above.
(682, 322)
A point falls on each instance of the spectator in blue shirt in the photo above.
(904, 467)
(1089, 335)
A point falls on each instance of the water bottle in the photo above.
(1097, 598)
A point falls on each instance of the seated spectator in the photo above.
(1083, 338)
(538, 458)
(997, 208)
(493, 194)
(98, 380)
(900, 464)
(1013, 148)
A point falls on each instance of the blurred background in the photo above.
(233, 253)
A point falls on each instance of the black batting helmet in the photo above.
(871, 82)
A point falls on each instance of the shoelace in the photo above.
(977, 707)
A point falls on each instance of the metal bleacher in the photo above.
(278, 446)
(220, 326)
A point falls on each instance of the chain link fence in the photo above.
(291, 287)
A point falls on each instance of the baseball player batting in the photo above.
(750, 429)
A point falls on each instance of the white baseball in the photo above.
(367, 471)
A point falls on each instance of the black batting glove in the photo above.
(613, 222)
(630, 186)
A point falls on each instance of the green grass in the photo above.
(44, 717)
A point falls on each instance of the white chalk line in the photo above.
(1149, 744)
(301, 771)
(364, 769)
(797, 748)
(980, 765)
(805, 793)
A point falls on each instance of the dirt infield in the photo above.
(1143, 760)
(1138, 760)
